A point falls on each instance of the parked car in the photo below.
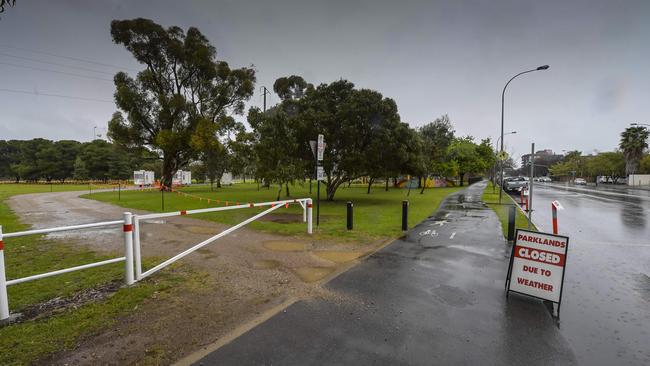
(515, 184)
(545, 179)
(580, 182)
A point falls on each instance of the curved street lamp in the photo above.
(503, 95)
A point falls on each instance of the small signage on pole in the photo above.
(537, 265)
(320, 173)
(321, 147)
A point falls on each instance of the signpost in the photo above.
(320, 173)
(537, 265)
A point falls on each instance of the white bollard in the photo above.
(136, 248)
(303, 204)
(309, 216)
(128, 248)
(4, 300)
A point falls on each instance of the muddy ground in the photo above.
(248, 276)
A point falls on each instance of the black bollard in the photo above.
(511, 222)
(350, 214)
(405, 215)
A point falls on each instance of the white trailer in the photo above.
(226, 179)
(182, 178)
(143, 178)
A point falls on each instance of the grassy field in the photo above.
(23, 343)
(376, 215)
(492, 200)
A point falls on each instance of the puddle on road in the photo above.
(338, 256)
(199, 229)
(266, 264)
(284, 246)
(312, 274)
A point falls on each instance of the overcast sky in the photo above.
(431, 57)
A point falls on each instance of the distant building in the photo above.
(543, 160)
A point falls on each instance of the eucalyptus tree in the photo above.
(182, 84)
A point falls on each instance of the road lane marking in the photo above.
(452, 235)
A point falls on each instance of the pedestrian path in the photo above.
(433, 297)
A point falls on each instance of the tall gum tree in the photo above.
(182, 83)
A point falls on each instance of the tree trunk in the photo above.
(218, 183)
(420, 181)
(286, 186)
(462, 175)
(279, 192)
(370, 184)
(425, 183)
(387, 180)
(211, 184)
(310, 186)
(244, 177)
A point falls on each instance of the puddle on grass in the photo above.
(338, 256)
(266, 264)
(312, 274)
(284, 246)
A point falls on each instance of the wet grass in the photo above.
(491, 198)
(29, 341)
(376, 215)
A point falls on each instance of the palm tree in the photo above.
(633, 143)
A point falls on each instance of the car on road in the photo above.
(515, 184)
(580, 182)
(545, 179)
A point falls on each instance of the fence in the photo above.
(132, 249)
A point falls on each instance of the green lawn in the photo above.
(376, 215)
(25, 342)
(492, 200)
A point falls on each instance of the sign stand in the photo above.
(318, 148)
(537, 266)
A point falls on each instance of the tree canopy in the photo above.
(182, 85)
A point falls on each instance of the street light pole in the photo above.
(503, 95)
(498, 158)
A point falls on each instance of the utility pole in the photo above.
(530, 186)
(264, 92)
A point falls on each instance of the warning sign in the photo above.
(537, 264)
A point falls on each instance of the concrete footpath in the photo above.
(434, 297)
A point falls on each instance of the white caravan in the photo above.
(182, 178)
(143, 178)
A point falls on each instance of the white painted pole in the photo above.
(136, 248)
(128, 248)
(309, 216)
(4, 300)
(304, 211)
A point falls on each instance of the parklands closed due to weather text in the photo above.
(537, 265)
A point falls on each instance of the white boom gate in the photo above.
(132, 253)
(305, 203)
(127, 226)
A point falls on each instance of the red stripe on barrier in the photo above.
(237, 203)
(183, 212)
(250, 205)
(309, 205)
(272, 204)
(2, 245)
(286, 205)
(127, 228)
(226, 203)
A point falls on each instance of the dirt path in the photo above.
(248, 274)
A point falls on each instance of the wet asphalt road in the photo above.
(433, 297)
(606, 301)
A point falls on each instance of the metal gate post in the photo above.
(4, 300)
(128, 248)
(309, 216)
(137, 257)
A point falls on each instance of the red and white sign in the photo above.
(538, 262)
